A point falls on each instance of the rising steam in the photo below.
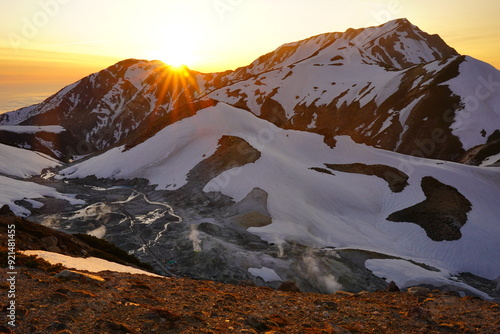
(318, 275)
(194, 236)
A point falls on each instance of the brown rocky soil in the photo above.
(51, 300)
(124, 303)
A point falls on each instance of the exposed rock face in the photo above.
(441, 215)
(396, 179)
(232, 152)
(485, 154)
(53, 144)
(273, 111)
(252, 210)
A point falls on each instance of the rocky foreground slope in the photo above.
(124, 303)
(52, 299)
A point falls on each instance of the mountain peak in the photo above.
(403, 21)
(398, 44)
(394, 45)
(399, 24)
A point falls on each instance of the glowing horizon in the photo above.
(219, 35)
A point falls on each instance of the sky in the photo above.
(48, 44)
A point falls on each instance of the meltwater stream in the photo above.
(123, 215)
(148, 219)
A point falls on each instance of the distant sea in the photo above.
(13, 97)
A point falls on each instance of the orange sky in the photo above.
(48, 43)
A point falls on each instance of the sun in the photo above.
(177, 53)
(178, 58)
(174, 58)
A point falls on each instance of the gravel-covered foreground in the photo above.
(125, 303)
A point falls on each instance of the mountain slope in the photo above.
(384, 86)
(311, 205)
(105, 107)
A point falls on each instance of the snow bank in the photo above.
(406, 274)
(32, 128)
(16, 190)
(23, 163)
(267, 274)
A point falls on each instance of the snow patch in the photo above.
(406, 274)
(16, 190)
(406, 111)
(490, 160)
(23, 163)
(91, 264)
(32, 128)
(99, 232)
(478, 85)
(267, 274)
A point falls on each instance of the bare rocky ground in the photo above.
(48, 302)
(51, 299)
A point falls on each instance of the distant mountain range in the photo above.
(338, 162)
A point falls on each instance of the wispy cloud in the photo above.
(77, 43)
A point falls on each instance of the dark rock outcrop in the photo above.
(441, 215)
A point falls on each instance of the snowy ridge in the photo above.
(18, 116)
(411, 47)
(479, 88)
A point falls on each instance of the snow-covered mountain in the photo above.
(105, 107)
(392, 87)
(341, 161)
